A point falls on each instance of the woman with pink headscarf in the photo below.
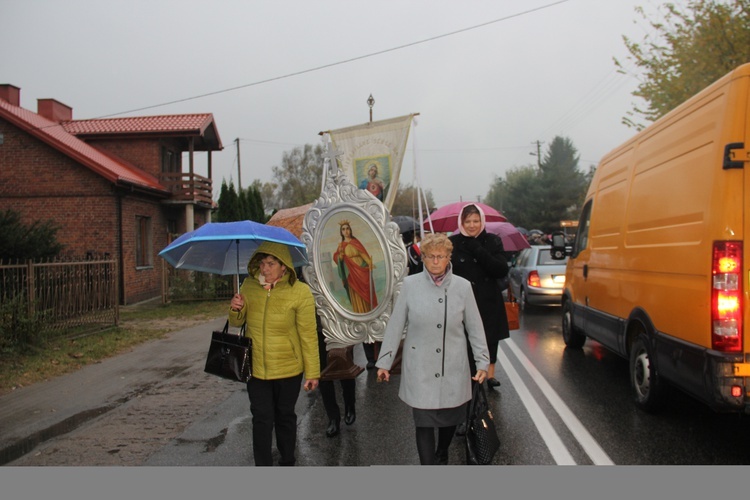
(479, 257)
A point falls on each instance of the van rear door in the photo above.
(576, 272)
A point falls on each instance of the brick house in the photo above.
(115, 186)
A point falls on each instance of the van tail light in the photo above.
(726, 297)
(533, 279)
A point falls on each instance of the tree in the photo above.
(561, 182)
(298, 179)
(37, 240)
(265, 193)
(257, 212)
(234, 206)
(406, 203)
(540, 197)
(691, 49)
(229, 203)
(522, 196)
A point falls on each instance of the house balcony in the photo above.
(187, 188)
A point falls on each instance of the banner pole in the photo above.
(416, 177)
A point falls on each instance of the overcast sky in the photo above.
(488, 78)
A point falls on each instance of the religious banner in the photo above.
(357, 261)
(372, 153)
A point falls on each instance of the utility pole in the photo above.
(538, 153)
(239, 168)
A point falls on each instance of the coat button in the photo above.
(437, 375)
(439, 326)
(437, 350)
(440, 300)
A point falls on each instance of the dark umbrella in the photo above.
(219, 247)
(445, 219)
(406, 223)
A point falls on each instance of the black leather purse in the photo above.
(482, 441)
(229, 355)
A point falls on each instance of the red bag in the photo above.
(511, 311)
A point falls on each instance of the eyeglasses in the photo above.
(435, 257)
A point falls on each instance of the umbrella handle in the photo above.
(237, 280)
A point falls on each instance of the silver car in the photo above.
(536, 279)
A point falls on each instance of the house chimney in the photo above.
(10, 93)
(54, 110)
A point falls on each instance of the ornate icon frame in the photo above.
(341, 199)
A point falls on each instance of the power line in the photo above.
(345, 61)
(275, 143)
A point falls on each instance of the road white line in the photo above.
(555, 445)
(589, 444)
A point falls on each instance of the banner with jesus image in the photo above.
(372, 153)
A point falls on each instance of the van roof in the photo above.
(742, 71)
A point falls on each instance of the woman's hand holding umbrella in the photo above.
(237, 303)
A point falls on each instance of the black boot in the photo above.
(441, 457)
(350, 416)
(333, 428)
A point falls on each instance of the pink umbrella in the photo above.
(513, 239)
(445, 218)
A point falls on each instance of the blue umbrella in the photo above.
(219, 247)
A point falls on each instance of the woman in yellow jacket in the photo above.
(280, 314)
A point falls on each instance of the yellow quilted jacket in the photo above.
(280, 321)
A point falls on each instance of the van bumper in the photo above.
(728, 372)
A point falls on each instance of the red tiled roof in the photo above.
(290, 219)
(113, 169)
(183, 124)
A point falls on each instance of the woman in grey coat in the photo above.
(434, 306)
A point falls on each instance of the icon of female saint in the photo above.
(355, 268)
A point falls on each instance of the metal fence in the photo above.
(59, 296)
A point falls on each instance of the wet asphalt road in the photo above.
(555, 406)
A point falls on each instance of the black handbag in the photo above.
(482, 441)
(229, 355)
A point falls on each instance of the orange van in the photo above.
(659, 272)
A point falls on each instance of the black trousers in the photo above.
(272, 405)
(327, 390)
(426, 443)
(328, 393)
(370, 351)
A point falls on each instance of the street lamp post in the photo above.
(371, 103)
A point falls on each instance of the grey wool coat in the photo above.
(435, 369)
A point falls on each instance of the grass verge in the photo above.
(138, 324)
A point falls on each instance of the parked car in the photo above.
(537, 279)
